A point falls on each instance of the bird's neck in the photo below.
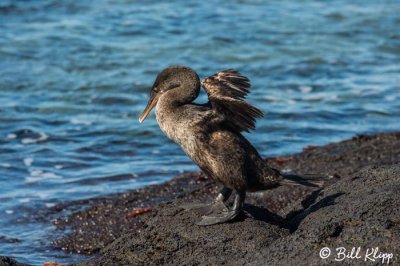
(171, 110)
(168, 114)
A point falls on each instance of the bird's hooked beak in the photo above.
(154, 96)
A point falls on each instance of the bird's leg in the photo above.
(226, 214)
(217, 203)
(224, 194)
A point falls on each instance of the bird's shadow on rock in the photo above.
(310, 205)
(294, 218)
(262, 214)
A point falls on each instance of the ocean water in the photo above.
(75, 75)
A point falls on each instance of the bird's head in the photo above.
(181, 84)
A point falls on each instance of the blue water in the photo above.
(74, 76)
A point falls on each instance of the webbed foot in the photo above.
(221, 214)
(205, 208)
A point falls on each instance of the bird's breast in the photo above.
(184, 131)
(176, 128)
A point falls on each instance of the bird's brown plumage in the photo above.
(210, 134)
(226, 92)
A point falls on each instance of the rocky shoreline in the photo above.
(358, 207)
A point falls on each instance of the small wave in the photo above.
(6, 239)
(305, 89)
(24, 200)
(50, 205)
(270, 98)
(39, 175)
(86, 119)
(28, 161)
(11, 136)
(99, 180)
(42, 137)
(28, 136)
(390, 98)
(78, 121)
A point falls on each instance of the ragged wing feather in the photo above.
(227, 91)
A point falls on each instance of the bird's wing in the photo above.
(226, 92)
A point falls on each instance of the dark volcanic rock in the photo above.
(359, 211)
(106, 219)
(7, 261)
(169, 237)
(357, 208)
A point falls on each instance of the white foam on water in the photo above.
(9, 211)
(305, 89)
(270, 98)
(5, 165)
(84, 119)
(28, 161)
(71, 190)
(58, 166)
(332, 98)
(24, 200)
(42, 137)
(11, 136)
(39, 175)
(390, 98)
(77, 121)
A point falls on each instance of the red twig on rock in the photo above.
(52, 263)
(138, 211)
(310, 148)
(280, 160)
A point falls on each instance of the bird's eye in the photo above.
(173, 86)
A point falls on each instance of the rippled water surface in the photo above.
(74, 76)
